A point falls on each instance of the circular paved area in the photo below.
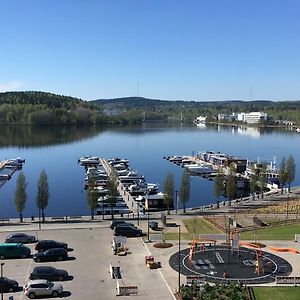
(219, 260)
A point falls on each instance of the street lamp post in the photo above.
(176, 199)
(179, 258)
(2, 264)
(148, 219)
(39, 218)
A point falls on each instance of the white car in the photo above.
(41, 287)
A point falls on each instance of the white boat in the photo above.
(116, 161)
(104, 207)
(89, 160)
(199, 168)
(15, 161)
(143, 188)
(131, 176)
(4, 177)
(298, 130)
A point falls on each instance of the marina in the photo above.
(8, 167)
(136, 195)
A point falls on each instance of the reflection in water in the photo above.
(34, 136)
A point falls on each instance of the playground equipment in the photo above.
(202, 243)
(277, 249)
(151, 263)
(259, 263)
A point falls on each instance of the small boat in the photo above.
(15, 161)
(298, 130)
(116, 161)
(5, 177)
(131, 176)
(89, 160)
(199, 168)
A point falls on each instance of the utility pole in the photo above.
(176, 199)
(179, 258)
(2, 264)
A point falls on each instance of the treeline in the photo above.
(41, 108)
(189, 110)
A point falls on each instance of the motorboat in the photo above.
(4, 177)
(89, 160)
(131, 176)
(15, 161)
(143, 188)
(199, 168)
(116, 161)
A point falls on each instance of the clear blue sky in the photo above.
(190, 50)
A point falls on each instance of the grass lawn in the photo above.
(283, 232)
(194, 226)
(200, 225)
(277, 293)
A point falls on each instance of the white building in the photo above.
(200, 119)
(252, 117)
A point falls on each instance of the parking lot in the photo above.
(89, 265)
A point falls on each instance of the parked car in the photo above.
(51, 255)
(8, 285)
(128, 231)
(13, 250)
(44, 245)
(115, 223)
(42, 287)
(20, 238)
(153, 225)
(49, 273)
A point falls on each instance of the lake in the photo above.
(57, 150)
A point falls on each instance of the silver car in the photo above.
(20, 238)
(42, 287)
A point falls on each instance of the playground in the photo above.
(235, 261)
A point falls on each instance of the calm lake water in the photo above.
(57, 150)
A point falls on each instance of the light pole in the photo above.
(148, 219)
(2, 264)
(179, 258)
(176, 199)
(39, 218)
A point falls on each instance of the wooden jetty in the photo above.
(128, 199)
(12, 170)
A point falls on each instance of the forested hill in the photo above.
(140, 102)
(135, 107)
(47, 109)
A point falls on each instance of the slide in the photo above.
(292, 250)
(249, 245)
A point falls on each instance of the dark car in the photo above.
(115, 223)
(20, 238)
(128, 231)
(153, 225)
(49, 273)
(8, 285)
(51, 255)
(49, 244)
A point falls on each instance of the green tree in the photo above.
(253, 182)
(20, 194)
(169, 191)
(92, 196)
(43, 193)
(113, 193)
(262, 180)
(231, 185)
(219, 185)
(184, 192)
(282, 174)
(291, 171)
